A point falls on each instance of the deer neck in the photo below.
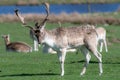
(49, 38)
(7, 42)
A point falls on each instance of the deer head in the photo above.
(6, 38)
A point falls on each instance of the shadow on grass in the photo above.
(82, 61)
(27, 74)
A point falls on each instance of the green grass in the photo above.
(39, 66)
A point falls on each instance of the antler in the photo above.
(22, 19)
(47, 6)
(47, 11)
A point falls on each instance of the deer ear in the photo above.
(36, 25)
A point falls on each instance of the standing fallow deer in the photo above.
(101, 33)
(102, 38)
(16, 46)
(36, 45)
(63, 38)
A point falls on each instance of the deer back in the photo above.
(19, 47)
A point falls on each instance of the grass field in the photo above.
(39, 66)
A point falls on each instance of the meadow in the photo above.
(40, 66)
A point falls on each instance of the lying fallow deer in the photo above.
(63, 38)
(16, 46)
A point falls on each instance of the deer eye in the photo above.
(6, 36)
(37, 31)
(37, 27)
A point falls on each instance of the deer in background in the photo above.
(46, 48)
(102, 38)
(36, 45)
(63, 38)
(16, 46)
(101, 33)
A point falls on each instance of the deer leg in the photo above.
(101, 46)
(99, 57)
(105, 45)
(87, 59)
(61, 56)
(35, 45)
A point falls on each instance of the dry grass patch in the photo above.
(115, 40)
(64, 17)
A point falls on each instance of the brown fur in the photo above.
(16, 46)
